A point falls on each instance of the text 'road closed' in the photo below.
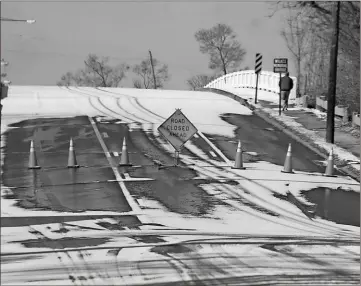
(177, 129)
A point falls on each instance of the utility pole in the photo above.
(151, 63)
(331, 101)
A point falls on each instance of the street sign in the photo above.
(177, 129)
(280, 65)
(257, 70)
(258, 65)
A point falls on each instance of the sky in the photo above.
(65, 32)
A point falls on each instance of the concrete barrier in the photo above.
(355, 119)
(340, 110)
(302, 101)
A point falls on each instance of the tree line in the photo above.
(219, 42)
(308, 33)
(98, 72)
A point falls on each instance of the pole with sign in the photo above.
(280, 66)
(177, 129)
(257, 70)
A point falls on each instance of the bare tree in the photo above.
(137, 83)
(296, 37)
(144, 71)
(317, 16)
(220, 43)
(199, 81)
(97, 72)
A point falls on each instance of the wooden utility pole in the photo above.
(151, 63)
(331, 102)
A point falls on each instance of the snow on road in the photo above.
(152, 107)
(252, 207)
(290, 122)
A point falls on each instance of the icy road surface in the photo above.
(202, 221)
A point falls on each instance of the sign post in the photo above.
(257, 70)
(280, 101)
(177, 130)
(280, 66)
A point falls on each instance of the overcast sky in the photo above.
(66, 32)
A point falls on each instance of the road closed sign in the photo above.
(177, 129)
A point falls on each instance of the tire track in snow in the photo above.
(298, 219)
(90, 96)
(230, 171)
(71, 269)
(118, 99)
(120, 96)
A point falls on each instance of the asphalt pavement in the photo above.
(196, 264)
(54, 186)
(100, 184)
(92, 186)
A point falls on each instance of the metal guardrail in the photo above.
(268, 81)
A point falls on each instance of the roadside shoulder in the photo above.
(343, 159)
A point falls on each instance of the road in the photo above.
(196, 264)
(57, 208)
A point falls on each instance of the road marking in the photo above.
(116, 154)
(140, 202)
(213, 154)
(134, 206)
(132, 180)
(219, 152)
(105, 135)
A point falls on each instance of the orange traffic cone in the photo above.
(33, 162)
(124, 159)
(330, 165)
(288, 162)
(72, 163)
(238, 164)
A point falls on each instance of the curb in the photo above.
(293, 133)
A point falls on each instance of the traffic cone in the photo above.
(33, 162)
(330, 165)
(124, 159)
(72, 163)
(238, 164)
(288, 162)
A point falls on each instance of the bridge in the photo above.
(246, 80)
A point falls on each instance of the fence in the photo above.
(267, 81)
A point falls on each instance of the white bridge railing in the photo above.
(267, 81)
